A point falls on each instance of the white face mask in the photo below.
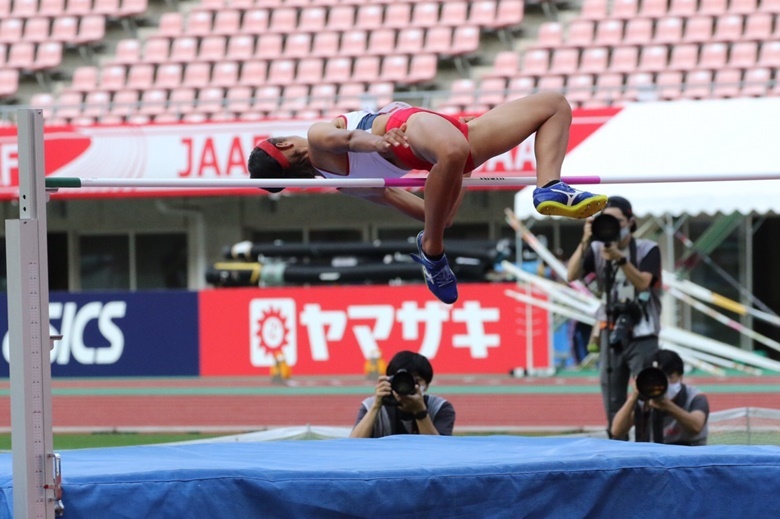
(673, 389)
(624, 232)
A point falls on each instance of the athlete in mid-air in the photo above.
(401, 138)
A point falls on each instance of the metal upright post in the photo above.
(35, 466)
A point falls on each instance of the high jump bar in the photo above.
(53, 183)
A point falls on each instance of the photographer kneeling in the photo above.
(399, 405)
(663, 409)
(628, 275)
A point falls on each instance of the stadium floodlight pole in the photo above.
(471, 182)
(36, 467)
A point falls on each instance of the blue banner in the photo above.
(120, 334)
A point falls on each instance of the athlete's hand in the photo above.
(394, 137)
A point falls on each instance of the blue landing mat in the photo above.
(417, 477)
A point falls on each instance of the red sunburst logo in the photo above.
(272, 331)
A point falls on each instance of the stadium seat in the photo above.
(171, 25)
(639, 31)
(210, 100)
(92, 30)
(580, 33)
(198, 23)
(365, 69)
(294, 98)
(240, 47)
(609, 88)
(3, 54)
(281, 72)
(353, 43)
(769, 55)
(212, 49)
(399, 15)
(312, 19)
(610, 32)
(698, 29)
(743, 6)
(624, 60)
(112, 78)
(462, 92)
(153, 102)
(743, 55)
(564, 61)
(156, 50)
(11, 30)
(454, 13)
(698, 84)
(9, 83)
(756, 82)
(536, 62)
(726, 83)
(169, 75)
(640, 87)
(267, 98)
(125, 103)
(21, 56)
(728, 28)
(422, 69)
(253, 73)
(669, 84)
(65, 29)
(269, 46)
(140, 76)
(184, 49)
(105, 7)
(381, 42)
(227, 22)
(351, 96)
(224, 74)
(683, 8)
(338, 70)
(49, 8)
(36, 29)
(579, 88)
(341, 18)
(683, 57)
(668, 30)
(310, 71)
(325, 44)
(322, 96)
(440, 40)
(45, 101)
(553, 83)
(297, 45)
(69, 105)
(465, 41)
(283, 20)
(550, 35)
(509, 13)
(84, 79)
(758, 27)
(425, 14)
(594, 60)
(483, 13)
(132, 10)
(181, 101)
(653, 8)
(394, 68)
(653, 58)
(520, 86)
(594, 9)
(381, 93)
(196, 75)
(238, 99)
(48, 56)
(713, 7)
(713, 56)
(625, 9)
(255, 21)
(96, 103)
(127, 52)
(78, 7)
(24, 8)
(492, 91)
(412, 40)
(505, 64)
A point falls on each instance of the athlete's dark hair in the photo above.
(262, 165)
(412, 362)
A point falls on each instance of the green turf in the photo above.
(94, 440)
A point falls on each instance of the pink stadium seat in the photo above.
(509, 13)
(227, 22)
(255, 21)
(669, 84)
(639, 31)
(580, 33)
(224, 74)
(594, 60)
(212, 48)
(594, 9)
(78, 7)
(462, 92)
(668, 30)
(483, 13)
(684, 57)
(440, 40)
(3, 53)
(728, 28)
(683, 8)
(551, 83)
(640, 87)
(50, 8)
(610, 32)
(713, 56)
(112, 78)
(281, 72)
(713, 7)
(294, 98)
(726, 83)
(153, 102)
(132, 9)
(181, 101)
(48, 56)
(411, 40)
(381, 92)
(653, 58)
(341, 18)
(312, 19)
(325, 44)
(297, 45)
(323, 96)
(253, 73)
(769, 55)
(96, 104)
(338, 70)
(125, 103)
(698, 29)
(21, 55)
(65, 29)
(267, 98)
(283, 20)
(127, 51)
(184, 49)
(350, 96)
(394, 68)
(697, 84)
(11, 30)
(520, 86)
(138, 120)
(210, 100)
(453, 13)
(353, 43)
(240, 47)
(550, 35)
(238, 99)
(24, 8)
(381, 42)
(625, 9)
(169, 75)
(85, 78)
(505, 64)
(44, 101)
(269, 46)
(743, 6)
(743, 54)
(425, 14)
(608, 88)
(756, 82)
(310, 71)
(92, 30)
(36, 29)
(156, 50)
(171, 25)
(579, 88)
(758, 27)
(653, 8)
(536, 62)
(69, 105)
(422, 69)
(624, 60)
(399, 15)
(196, 75)
(492, 91)
(465, 40)
(565, 61)
(140, 76)
(198, 23)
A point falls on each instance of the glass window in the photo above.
(161, 261)
(104, 262)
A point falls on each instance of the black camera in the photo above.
(605, 228)
(628, 314)
(651, 383)
(402, 383)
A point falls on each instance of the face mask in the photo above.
(673, 389)
(423, 387)
(624, 232)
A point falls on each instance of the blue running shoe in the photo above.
(563, 200)
(438, 275)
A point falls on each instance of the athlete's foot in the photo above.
(563, 200)
(438, 275)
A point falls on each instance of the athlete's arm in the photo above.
(334, 139)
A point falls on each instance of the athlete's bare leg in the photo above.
(507, 125)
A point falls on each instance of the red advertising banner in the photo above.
(332, 330)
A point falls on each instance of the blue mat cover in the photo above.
(417, 477)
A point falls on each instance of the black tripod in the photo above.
(606, 343)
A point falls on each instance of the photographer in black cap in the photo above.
(628, 275)
(399, 405)
(663, 409)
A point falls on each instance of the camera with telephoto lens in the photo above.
(628, 314)
(651, 383)
(605, 228)
(403, 383)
